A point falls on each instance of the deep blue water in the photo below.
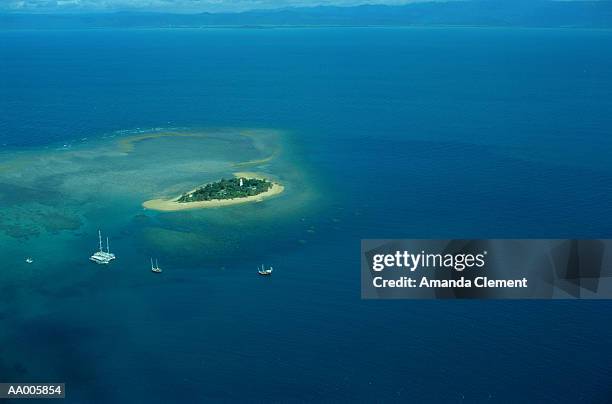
(409, 133)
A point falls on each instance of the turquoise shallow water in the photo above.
(384, 133)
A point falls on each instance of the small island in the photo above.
(245, 187)
(239, 187)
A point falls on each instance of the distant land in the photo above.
(500, 13)
(220, 193)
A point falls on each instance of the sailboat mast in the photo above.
(107, 246)
(151, 262)
(156, 264)
(100, 239)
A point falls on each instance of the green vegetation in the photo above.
(227, 189)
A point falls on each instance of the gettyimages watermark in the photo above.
(486, 269)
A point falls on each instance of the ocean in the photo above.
(378, 133)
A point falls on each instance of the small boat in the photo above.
(101, 256)
(264, 271)
(29, 260)
(155, 268)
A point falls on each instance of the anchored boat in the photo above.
(155, 268)
(101, 256)
(264, 271)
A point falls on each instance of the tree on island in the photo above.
(227, 189)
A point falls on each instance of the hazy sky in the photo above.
(172, 5)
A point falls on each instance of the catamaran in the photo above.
(155, 268)
(29, 260)
(101, 256)
(264, 271)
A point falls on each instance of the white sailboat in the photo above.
(29, 260)
(155, 268)
(101, 256)
(264, 271)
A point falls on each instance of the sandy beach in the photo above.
(169, 205)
